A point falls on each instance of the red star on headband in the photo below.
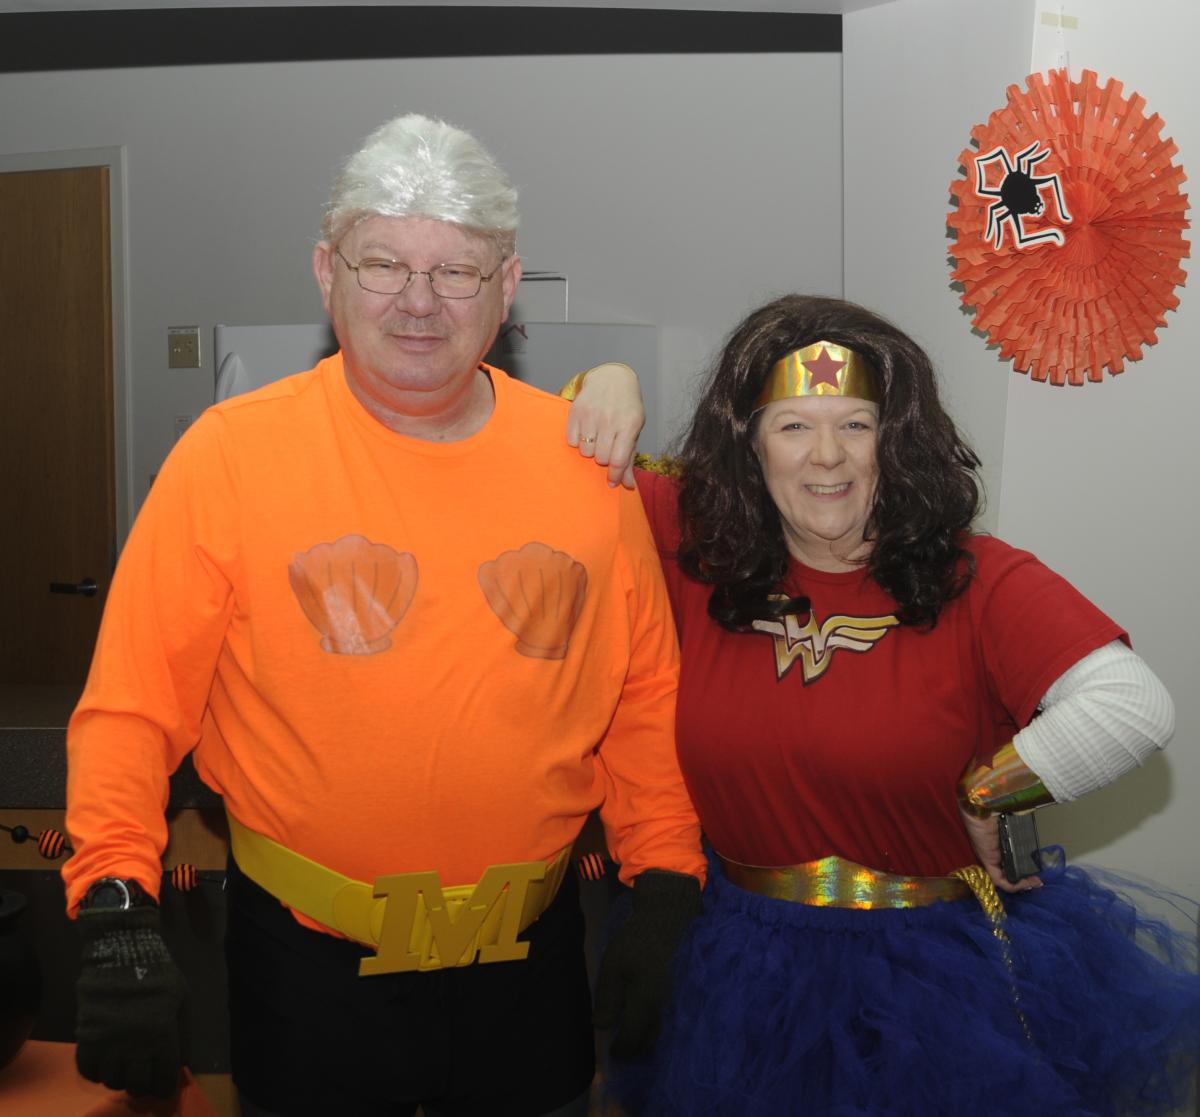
(824, 370)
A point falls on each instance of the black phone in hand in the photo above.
(1019, 846)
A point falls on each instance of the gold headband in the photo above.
(820, 369)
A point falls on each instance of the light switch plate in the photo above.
(183, 347)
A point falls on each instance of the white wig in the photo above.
(414, 166)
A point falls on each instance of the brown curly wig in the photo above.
(926, 498)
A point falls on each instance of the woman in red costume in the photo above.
(867, 688)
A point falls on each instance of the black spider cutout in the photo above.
(1018, 195)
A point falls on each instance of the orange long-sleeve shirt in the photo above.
(388, 654)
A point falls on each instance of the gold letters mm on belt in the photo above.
(410, 918)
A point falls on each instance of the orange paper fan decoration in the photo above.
(1069, 227)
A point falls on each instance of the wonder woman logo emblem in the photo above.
(814, 644)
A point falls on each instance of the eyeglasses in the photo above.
(390, 277)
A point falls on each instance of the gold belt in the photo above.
(834, 882)
(410, 918)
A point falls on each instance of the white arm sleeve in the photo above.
(1103, 716)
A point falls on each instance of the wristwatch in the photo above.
(115, 894)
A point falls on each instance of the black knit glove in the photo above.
(130, 995)
(635, 973)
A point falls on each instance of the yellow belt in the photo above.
(835, 882)
(412, 921)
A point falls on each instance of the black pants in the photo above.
(310, 1037)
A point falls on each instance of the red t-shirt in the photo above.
(843, 732)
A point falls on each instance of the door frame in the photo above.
(114, 158)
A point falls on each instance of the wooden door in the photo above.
(57, 491)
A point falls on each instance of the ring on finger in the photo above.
(588, 438)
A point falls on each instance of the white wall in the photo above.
(676, 190)
(1099, 480)
(917, 75)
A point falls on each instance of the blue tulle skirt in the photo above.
(1092, 1009)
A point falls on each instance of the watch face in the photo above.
(107, 893)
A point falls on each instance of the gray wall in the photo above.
(1099, 480)
(918, 75)
(675, 190)
(1102, 479)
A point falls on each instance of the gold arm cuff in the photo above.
(1005, 785)
(667, 467)
(574, 386)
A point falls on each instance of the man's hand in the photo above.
(130, 996)
(606, 419)
(635, 973)
(985, 839)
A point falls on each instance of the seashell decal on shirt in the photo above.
(354, 592)
(538, 594)
(813, 643)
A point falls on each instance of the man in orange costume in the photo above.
(413, 640)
